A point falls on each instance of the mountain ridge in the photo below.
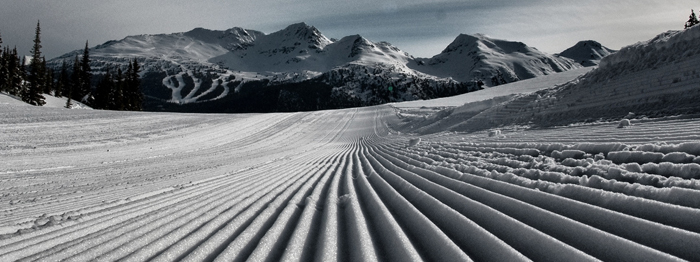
(201, 65)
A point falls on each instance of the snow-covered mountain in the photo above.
(494, 61)
(655, 78)
(298, 68)
(587, 53)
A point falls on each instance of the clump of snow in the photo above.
(633, 167)
(678, 157)
(624, 123)
(413, 141)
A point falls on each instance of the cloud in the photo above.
(421, 27)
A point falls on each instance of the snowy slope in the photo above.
(520, 87)
(494, 61)
(587, 53)
(11, 100)
(51, 101)
(92, 185)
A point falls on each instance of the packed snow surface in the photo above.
(92, 185)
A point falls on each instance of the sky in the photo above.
(422, 28)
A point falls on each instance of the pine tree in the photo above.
(75, 80)
(69, 85)
(132, 88)
(85, 76)
(117, 93)
(15, 73)
(692, 20)
(62, 81)
(102, 99)
(36, 82)
(3, 68)
(49, 85)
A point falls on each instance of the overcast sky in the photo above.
(422, 28)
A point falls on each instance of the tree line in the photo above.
(30, 80)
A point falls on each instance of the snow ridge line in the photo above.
(674, 241)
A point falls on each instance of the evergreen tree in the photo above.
(117, 93)
(62, 81)
(132, 87)
(74, 85)
(85, 76)
(3, 65)
(3, 68)
(692, 20)
(15, 73)
(49, 85)
(36, 82)
(102, 92)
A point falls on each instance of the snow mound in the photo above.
(495, 133)
(413, 142)
(624, 123)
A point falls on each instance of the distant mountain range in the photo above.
(298, 68)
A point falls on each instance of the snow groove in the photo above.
(342, 186)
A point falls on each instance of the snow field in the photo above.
(341, 185)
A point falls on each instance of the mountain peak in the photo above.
(587, 52)
(304, 32)
(484, 43)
